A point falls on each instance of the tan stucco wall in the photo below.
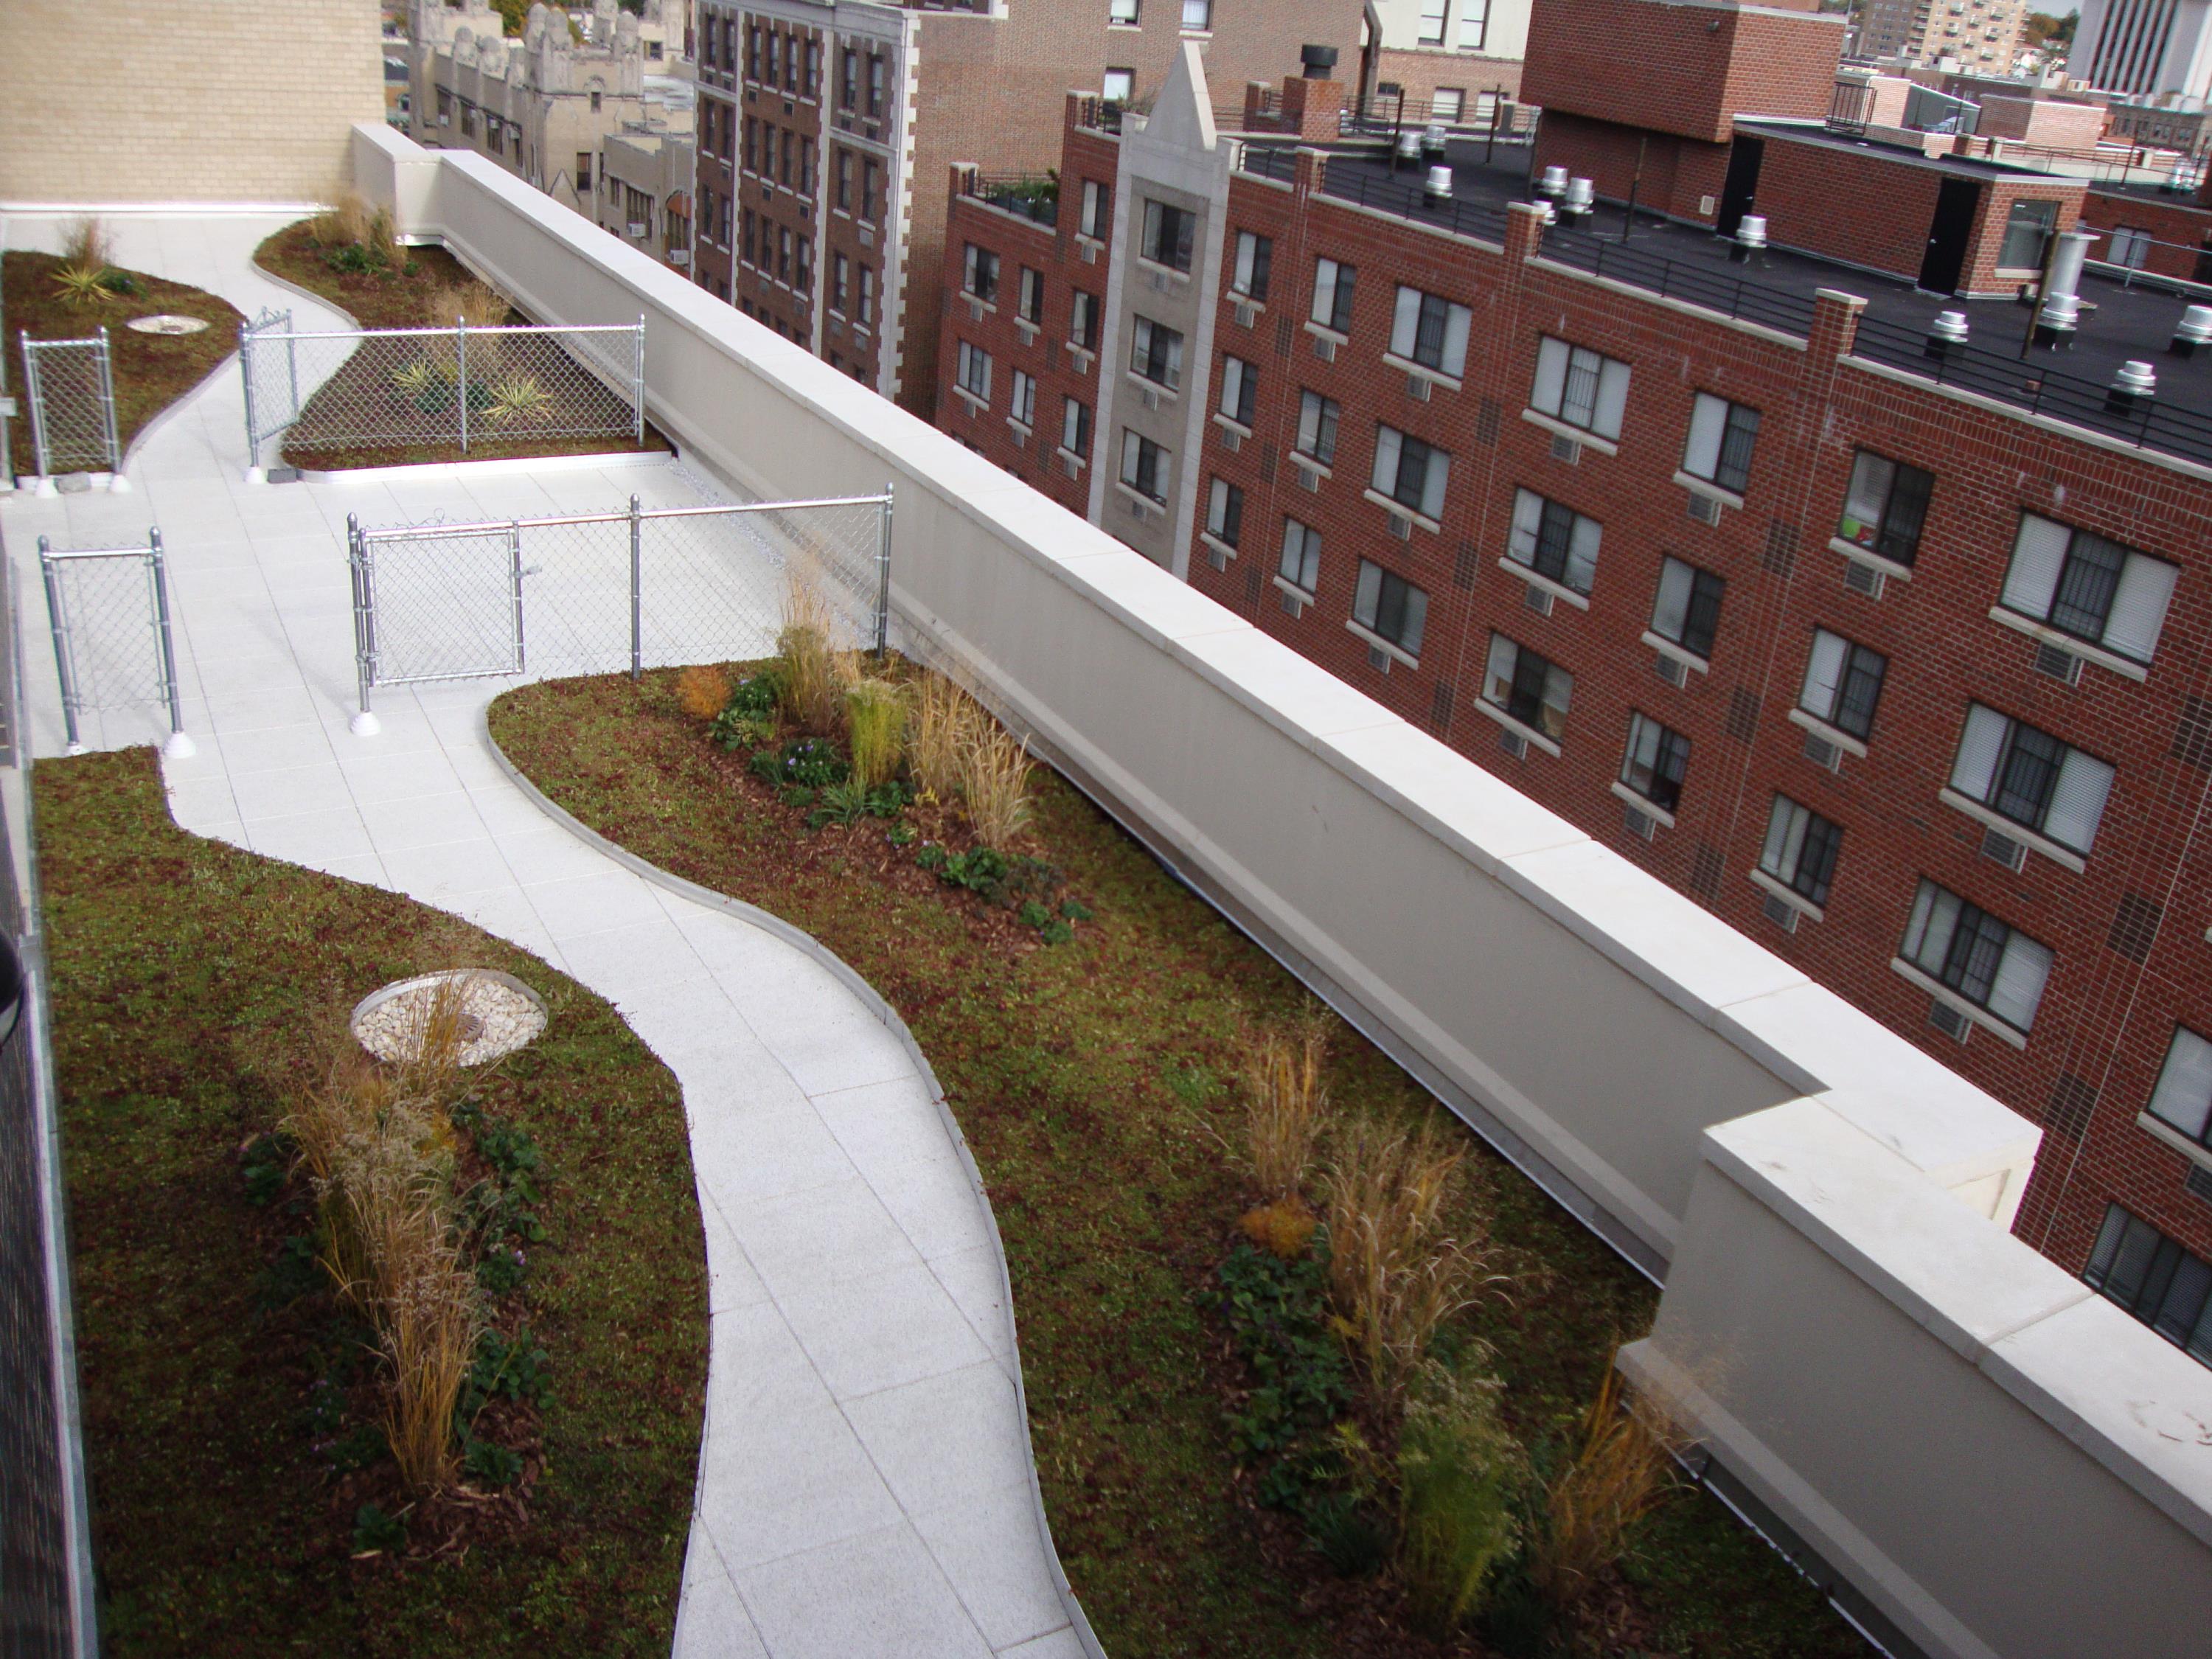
(176, 100)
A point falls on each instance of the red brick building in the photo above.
(1894, 654)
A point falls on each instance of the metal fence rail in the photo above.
(437, 388)
(69, 385)
(602, 593)
(108, 609)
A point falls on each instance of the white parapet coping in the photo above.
(1626, 1047)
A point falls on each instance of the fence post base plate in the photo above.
(180, 747)
(255, 474)
(364, 724)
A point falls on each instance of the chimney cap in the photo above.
(1318, 61)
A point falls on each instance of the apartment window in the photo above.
(1432, 22)
(1721, 435)
(752, 129)
(783, 255)
(746, 221)
(803, 277)
(791, 62)
(1121, 11)
(583, 170)
(1411, 472)
(980, 279)
(1886, 506)
(976, 372)
(2031, 778)
(1577, 386)
(1390, 607)
(1025, 404)
(595, 102)
(1198, 14)
(1255, 254)
(2131, 246)
(1969, 951)
(496, 136)
(1688, 608)
(1657, 758)
(2087, 586)
(1843, 683)
(1169, 234)
(2183, 1099)
(1533, 689)
(1240, 383)
(849, 91)
(1225, 513)
(878, 79)
(867, 297)
(1075, 426)
(753, 52)
(1800, 849)
(1118, 86)
(1554, 541)
(1301, 562)
(1156, 354)
(1447, 104)
(807, 167)
(813, 87)
(1083, 321)
(1317, 418)
(1143, 465)
(1473, 25)
(841, 270)
(1030, 301)
(1431, 331)
(871, 194)
(2154, 1279)
(845, 181)
(1097, 199)
(1332, 299)
(2027, 233)
(789, 149)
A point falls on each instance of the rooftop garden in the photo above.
(399, 1357)
(1311, 1371)
(70, 294)
(525, 397)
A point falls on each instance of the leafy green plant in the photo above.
(518, 399)
(501, 1271)
(809, 763)
(901, 834)
(514, 1367)
(875, 721)
(1352, 1535)
(1462, 1477)
(296, 1271)
(1278, 1314)
(375, 1533)
(264, 1163)
(362, 1446)
(494, 1465)
(82, 285)
(119, 282)
(757, 694)
(357, 259)
(1075, 909)
(733, 729)
(843, 803)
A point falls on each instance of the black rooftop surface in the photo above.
(1966, 166)
(1776, 288)
(2147, 191)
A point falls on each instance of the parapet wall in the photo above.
(1868, 1353)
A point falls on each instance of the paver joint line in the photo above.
(800, 939)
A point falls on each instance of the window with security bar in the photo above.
(1240, 388)
(1656, 762)
(1580, 387)
(1300, 562)
(1886, 506)
(1801, 849)
(2088, 588)
(1317, 420)
(1248, 277)
(1410, 471)
(1156, 353)
(1553, 540)
(1968, 952)
(1143, 465)
(976, 372)
(1722, 438)
(2031, 778)
(981, 279)
(1170, 235)
(2183, 1099)
(1075, 426)
(1843, 683)
(1390, 608)
(1687, 610)
(1225, 513)
(1332, 299)
(1531, 688)
(2163, 1284)
(1431, 330)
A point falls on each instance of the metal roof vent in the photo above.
(2135, 384)
(2060, 313)
(2194, 330)
(1750, 238)
(1946, 329)
(1438, 189)
(1580, 197)
(1318, 61)
(1554, 184)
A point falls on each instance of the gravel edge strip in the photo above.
(802, 940)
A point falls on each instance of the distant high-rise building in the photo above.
(1981, 35)
(2146, 48)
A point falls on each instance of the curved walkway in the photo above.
(864, 1484)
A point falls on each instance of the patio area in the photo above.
(865, 1485)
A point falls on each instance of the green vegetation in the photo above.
(245, 1499)
(1185, 1388)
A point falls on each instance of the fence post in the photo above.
(60, 628)
(180, 746)
(117, 483)
(636, 592)
(514, 552)
(364, 723)
(247, 337)
(884, 576)
(33, 392)
(637, 385)
(461, 387)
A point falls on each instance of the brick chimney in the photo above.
(1310, 109)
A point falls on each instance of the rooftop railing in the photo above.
(1698, 283)
(1033, 195)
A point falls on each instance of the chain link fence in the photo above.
(108, 609)
(458, 389)
(69, 386)
(601, 592)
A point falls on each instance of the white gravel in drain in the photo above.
(496, 1018)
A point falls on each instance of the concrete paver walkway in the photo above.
(864, 1485)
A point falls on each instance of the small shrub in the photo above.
(807, 762)
(734, 729)
(1033, 914)
(514, 1368)
(294, 1272)
(518, 399)
(119, 282)
(263, 1164)
(82, 285)
(470, 303)
(1075, 909)
(1283, 1229)
(501, 1271)
(375, 1533)
(492, 1465)
(875, 725)
(1350, 1533)
(901, 834)
(1617, 1474)
(352, 260)
(1462, 1477)
(1278, 1314)
(843, 803)
(86, 243)
(994, 782)
(757, 694)
(703, 690)
(1286, 1106)
(814, 670)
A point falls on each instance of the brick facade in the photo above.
(2180, 229)
(2128, 930)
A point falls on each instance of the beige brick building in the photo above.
(183, 101)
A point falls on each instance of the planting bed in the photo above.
(1092, 1070)
(231, 1405)
(152, 371)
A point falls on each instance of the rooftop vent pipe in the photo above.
(1946, 330)
(2135, 384)
(1439, 188)
(1432, 140)
(1318, 61)
(1580, 197)
(2193, 330)
(1750, 238)
(2060, 313)
(1554, 184)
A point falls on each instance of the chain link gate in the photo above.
(601, 592)
(69, 385)
(459, 388)
(108, 608)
